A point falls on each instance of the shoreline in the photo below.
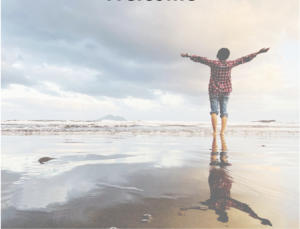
(165, 128)
(162, 132)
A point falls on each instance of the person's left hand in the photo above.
(263, 50)
(184, 55)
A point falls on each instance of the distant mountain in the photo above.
(111, 117)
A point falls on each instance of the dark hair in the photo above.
(223, 54)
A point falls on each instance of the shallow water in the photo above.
(113, 180)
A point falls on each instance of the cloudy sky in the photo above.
(84, 59)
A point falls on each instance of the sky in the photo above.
(85, 59)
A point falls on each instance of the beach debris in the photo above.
(45, 159)
(146, 218)
(265, 121)
(145, 221)
(263, 145)
(202, 207)
(182, 211)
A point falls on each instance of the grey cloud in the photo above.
(74, 21)
(19, 57)
(90, 46)
(134, 45)
(10, 75)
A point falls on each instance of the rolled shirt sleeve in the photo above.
(202, 60)
(243, 59)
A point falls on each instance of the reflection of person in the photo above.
(220, 183)
(220, 82)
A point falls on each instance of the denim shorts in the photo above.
(215, 100)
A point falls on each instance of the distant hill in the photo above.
(111, 117)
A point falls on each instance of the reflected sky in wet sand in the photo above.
(112, 181)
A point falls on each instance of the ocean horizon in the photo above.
(155, 127)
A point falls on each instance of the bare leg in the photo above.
(224, 122)
(214, 120)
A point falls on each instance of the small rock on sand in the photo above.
(147, 216)
(145, 221)
(45, 159)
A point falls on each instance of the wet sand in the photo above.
(94, 181)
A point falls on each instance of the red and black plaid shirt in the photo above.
(220, 73)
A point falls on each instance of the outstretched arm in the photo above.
(200, 59)
(245, 208)
(246, 59)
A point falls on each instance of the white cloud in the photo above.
(18, 65)
(171, 100)
(25, 101)
(140, 104)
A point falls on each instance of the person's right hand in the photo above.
(263, 50)
(184, 55)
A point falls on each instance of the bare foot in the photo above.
(214, 134)
(222, 133)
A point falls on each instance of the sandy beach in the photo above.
(93, 180)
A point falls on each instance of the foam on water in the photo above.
(138, 127)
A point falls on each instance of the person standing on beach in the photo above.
(220, 82)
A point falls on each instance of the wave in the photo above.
(107, 127)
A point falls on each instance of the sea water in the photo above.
(109, 174)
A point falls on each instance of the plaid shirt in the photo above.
(220, 74)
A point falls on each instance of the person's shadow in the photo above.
(220, 183)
